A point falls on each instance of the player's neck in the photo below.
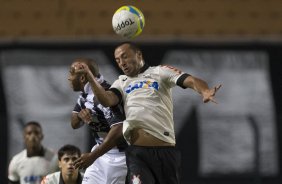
(35, 151)
(70, 179)
(139, 69)
(143, 67)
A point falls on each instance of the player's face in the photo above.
(74, 78)
(129, 61)
(33, 136)
(66, 164)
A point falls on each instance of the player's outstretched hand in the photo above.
(84, 161)
(208, 95)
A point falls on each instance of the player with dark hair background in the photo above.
(68, 174)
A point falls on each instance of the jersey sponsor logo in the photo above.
(32, 179)
(142, 84)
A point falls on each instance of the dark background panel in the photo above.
(188, 137)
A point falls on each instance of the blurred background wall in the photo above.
(177, 19)
(233, 42)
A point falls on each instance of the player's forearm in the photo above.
(104, 97)
(196, 84)
(76, 122)
(113, 137)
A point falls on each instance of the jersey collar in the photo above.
(41, 153)
(144, 68)
(79, 178)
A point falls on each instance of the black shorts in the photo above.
(153, 165)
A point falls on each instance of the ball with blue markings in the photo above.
(128, 22)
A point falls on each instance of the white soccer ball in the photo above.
(128, 21)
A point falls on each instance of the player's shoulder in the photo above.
(49, 151)
(153, 70)
(49, 154)
(51, 178)
(122, 78)
(170, 69)
(19, 156)
(54, 175)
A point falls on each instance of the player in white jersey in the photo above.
(149, 127)
(68, 174)
(34, 162)
(106, 164)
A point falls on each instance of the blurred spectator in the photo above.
(34, 162)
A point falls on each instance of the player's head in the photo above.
(66, 156)
(33, 134)
(78, 80)
(129, 58)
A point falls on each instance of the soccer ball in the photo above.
(128, 21)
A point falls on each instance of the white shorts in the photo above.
(110, 168)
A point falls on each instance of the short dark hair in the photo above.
(92, 65)
(68, 149)
(35, 123)
(132, 46)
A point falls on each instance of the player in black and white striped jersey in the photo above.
(106, 163)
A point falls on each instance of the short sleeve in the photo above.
(171, 75)
(118, 115)
(114, 115)
(52, 157)
(117, 89)
(77, 108)
(12, 173)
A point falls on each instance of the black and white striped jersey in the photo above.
(102, 117)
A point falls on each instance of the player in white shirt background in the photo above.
(30, 165)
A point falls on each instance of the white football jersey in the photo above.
(53, 178)
(56, 178)
(148, 101)
(31, 170)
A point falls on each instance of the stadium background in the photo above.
(236, 43)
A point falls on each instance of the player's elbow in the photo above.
(108, 103)
(76, 125)
(109, 100)
(75, 122)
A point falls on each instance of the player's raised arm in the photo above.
(106, 98)
(76, 121)
(202, 88)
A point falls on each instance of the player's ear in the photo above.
(139, 54)
(59, 164)
(82, 79)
